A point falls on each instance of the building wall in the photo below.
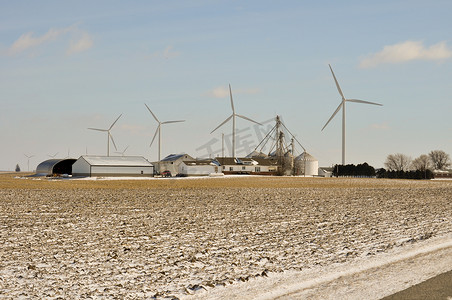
(197, 170)
(173, 167)
(81, 168)
(245, 168)
(122, 171)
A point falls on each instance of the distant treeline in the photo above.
(418, 174)
(361, 170)
(364, 170)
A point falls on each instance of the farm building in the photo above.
(54, 167)
(325, 171)
(92, 166)
(247, 165)
(307, 165)
(172, 162)
(199, 168)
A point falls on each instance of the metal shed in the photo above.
(111, 166)
(55, 167)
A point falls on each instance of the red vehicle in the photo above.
(166, 173)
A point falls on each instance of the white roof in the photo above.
(116, 160)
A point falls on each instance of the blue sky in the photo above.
(67, 66)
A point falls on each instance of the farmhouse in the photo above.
(92, 166)
(172, 162)
(247, 165)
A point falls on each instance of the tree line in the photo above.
(403, 166)
(361, 170)
(399, 166)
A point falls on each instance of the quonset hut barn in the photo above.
(54, 167)
(91, 166)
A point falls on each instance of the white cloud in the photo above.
(82, 44)
(29, 41)
(407, 51)
(222, 92)
(167, 53)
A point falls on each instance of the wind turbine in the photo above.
(342, 105)
(109, 136)
(159, 129)
(52, 156)
(124, 151)
(233, 122)
(29, 156)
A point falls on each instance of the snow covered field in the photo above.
(274, 239)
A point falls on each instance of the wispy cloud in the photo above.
(407, 51)
(83, 43)
(221, 92)
(29, 40)
(167, 53)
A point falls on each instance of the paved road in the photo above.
(439, 287)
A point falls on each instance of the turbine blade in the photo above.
(152, 113)
(232, 102)
(167, 122)
(335, 112)
(155, 134)
(103, 130)
(222, 123)
(114, 122)
(362, 101)
(246, 118)
(111, 137)
(337, 84)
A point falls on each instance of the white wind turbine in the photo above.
(109, 136)
(233, 122)
(159, 130)
(342, 105)
(28, 156)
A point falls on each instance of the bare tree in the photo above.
(440, 159)
(398, 162)
(422, 163)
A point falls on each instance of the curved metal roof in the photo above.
(305, 157)
(55, 166)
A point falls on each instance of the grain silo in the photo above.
(306, 164)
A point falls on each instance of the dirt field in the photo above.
(172, 237)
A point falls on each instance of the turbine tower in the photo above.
(342, 105)
(159, 130)
(233, 115)
(28, 164)
(109, 136)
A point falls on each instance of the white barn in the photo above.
(110, 166)
(199, 168)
